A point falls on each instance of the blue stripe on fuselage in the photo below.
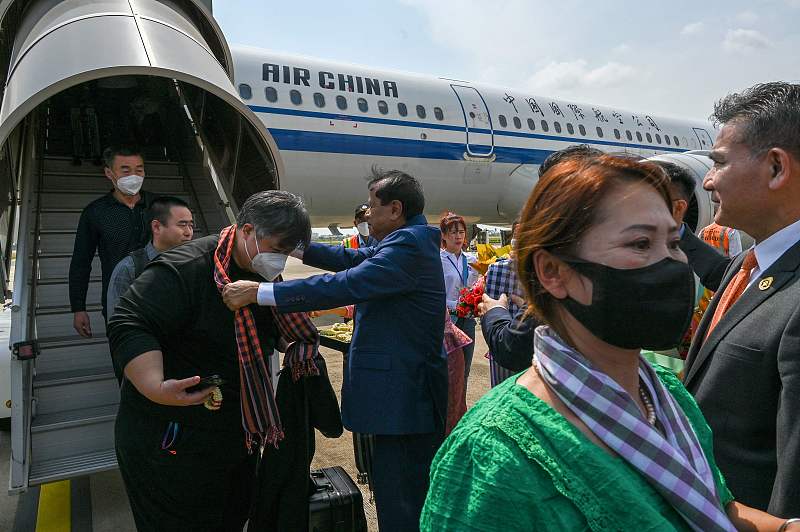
(313, 141)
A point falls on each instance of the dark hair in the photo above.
(449, 220)
(679, 177)
(563, 206)
(361, 210)
(769, 114)
(122, 150)
(161, 206)
(576, 151)
(277, 213)
(393, 185)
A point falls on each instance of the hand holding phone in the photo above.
(205, 383)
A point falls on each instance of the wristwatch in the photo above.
(788, 522)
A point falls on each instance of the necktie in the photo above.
(733, 290)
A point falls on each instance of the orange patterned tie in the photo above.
(734, 289)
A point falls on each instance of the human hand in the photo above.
(82, 324)
(487, 303)
(173, 392)
(240, 294)
(518, 301)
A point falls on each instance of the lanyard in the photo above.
(461, 273)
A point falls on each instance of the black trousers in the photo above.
(401, 469)
(201, 481)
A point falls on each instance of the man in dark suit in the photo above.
(395, 383)
(744, 364)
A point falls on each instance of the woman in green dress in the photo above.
(592, 437)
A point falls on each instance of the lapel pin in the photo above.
(764, 284)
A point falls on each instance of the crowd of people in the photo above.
(643, 377)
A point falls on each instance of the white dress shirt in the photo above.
(771, 249)
(453, 275)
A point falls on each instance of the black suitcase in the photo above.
(335, 503)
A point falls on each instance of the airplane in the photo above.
(216, 124)
(476, 148)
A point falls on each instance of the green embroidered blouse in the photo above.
(514, 463)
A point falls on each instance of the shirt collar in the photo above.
(771, 249)
(446, 253)
(151, 251)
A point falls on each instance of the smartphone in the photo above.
(206, 382)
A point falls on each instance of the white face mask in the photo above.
(267, 264)
(130, 184)
(363, 229)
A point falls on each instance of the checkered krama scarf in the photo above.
(260, 418)
(672, 461)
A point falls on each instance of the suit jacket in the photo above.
(510, 340)
(396, 376)
(746, 378)
(708, 263)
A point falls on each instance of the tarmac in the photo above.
(99, 503)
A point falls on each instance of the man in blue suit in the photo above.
(395, 383)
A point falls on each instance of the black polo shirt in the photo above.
(112, 229)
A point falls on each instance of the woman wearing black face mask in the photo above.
(592, 436)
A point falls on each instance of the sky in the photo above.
(671, 58)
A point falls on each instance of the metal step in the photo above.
(71, 390)
(60, 438)
(51, 294)
(57, 266)
(72, 353)
(72, 466)
(72, 376)
(60, 324)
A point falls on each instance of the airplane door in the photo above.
(704, 138)
(477, 122)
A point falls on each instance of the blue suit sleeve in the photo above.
(334, 258)
(390, 270)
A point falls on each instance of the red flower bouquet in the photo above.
(467, 305)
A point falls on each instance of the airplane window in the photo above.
(517, 122)
(319, 99)
(438, 113)
(599, 131)
(341, 102)
(245, 91)
(617, 134)
(557, 127)
(362, 105)
(678, 143)
(271, 94)
(296, 97)
(383, 107)
(639, 136)
(503, 121)
(658, 138)
(421, 111)
(570, 129)
(545, 127)
(581, 129)
(531, 124)
(666, 138)
(401, 108)
(649, 137)
(628, 134)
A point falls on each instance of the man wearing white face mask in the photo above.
(362, 239)
(195, 448)
(113, 226)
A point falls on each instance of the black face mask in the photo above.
(647, 308)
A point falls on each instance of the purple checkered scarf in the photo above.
(673, 462)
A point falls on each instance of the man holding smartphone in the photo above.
(188, 457)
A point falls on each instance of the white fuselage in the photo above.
(474, 147)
